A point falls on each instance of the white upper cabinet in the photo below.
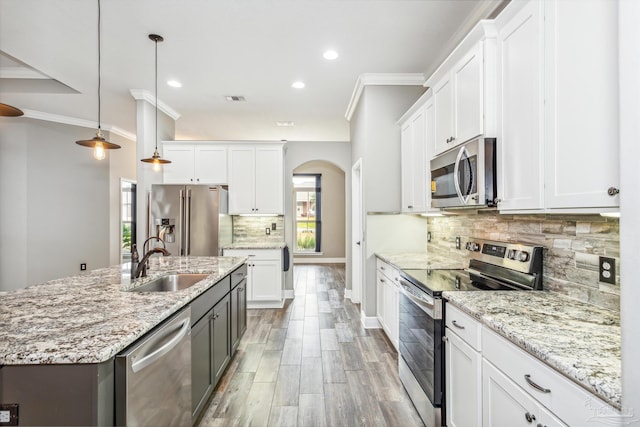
(413, 149)
(558, 106)
(256, 179)
(204, 163)
(581, 135)
(464, 90)
(469, 93)
(520, 94)
(443, 114)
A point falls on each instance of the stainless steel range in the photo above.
(492, 266)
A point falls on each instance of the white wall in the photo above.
(55, 203)
(375, 138)
(298, 153)
(629, 15)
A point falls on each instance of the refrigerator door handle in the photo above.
(182, 207)
(188, 223)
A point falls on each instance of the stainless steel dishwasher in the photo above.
(153, 377)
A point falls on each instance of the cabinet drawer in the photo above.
(238, 275)
(464, 325)
(570, 402)
(255, 254)
(209, 298)
(385, 268)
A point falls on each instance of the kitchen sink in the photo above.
(171, 282)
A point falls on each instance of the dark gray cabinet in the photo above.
(221, 343)
(238, 306)
(202, 377)
(219, 318)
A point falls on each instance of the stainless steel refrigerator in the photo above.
(191, 219)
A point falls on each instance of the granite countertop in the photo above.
(579, 340)
(420, 261)
(263, 244)
(90, 318)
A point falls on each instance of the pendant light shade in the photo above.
(155, 159)
(98, 143)
(10, 111)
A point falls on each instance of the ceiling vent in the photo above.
(235, 98)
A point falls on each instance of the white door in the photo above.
(357, 235)
(469, 100)
(443, 107)
(267, 282)
(406, 167)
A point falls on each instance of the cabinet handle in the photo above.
(198, 179)
(529, 417)
(382, 280)
(540, 425)
(445, 339)
(457, 326)
(612, 191)
(409, 207)
(527, 377)
(382, 267)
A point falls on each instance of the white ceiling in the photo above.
(253, 48)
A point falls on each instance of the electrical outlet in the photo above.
(458, 242)
(607, 270)
(9, 414)
(83, 266)
(267, 231)
(428, 236)
(273, 225)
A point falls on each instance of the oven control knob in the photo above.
(473, 246)
(511, 254)
(523, 256)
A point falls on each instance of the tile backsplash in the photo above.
(572, 245)
(252, 228)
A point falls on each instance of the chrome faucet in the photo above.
(142, 265)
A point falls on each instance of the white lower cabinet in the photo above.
(463, 377)
(463, 373)
(387, 304)
(505, 404)
(491, 382)
(264, 276)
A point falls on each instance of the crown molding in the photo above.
(145, 95)
(381, 79)
(74, 121)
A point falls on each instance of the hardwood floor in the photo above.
(312, 363)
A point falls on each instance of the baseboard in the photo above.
(265, 304)
(369, 322)
(289, 294)
(347, 293)
(312, 260)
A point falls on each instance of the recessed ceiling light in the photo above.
(174, 83)
(285, 124)
(235, 98)
(298, 85)
(330, 55)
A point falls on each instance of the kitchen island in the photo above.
(59, 338)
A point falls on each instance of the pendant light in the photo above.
(9, 111)
(156, 160)
(98, 143)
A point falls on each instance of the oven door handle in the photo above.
(425, 304)
(509, 283)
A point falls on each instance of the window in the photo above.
(308, 206)
(127, 218)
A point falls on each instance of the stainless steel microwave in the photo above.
(465, 176)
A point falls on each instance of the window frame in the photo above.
(317, 188)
